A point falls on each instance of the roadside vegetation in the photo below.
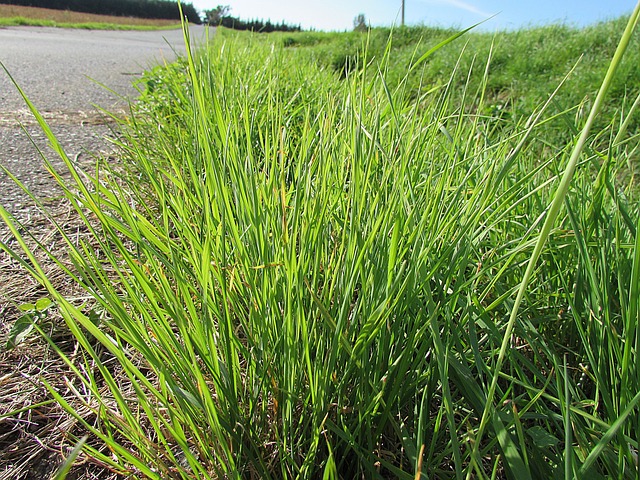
(524, 66)
(398, 254)
(12, 15)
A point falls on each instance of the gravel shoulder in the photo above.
(71, 76)
(64, 73)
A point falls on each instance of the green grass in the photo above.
(525, 66)
(35, 22)
(304, 274)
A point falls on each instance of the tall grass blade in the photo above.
(554, 210)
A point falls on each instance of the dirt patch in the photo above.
(24, 118)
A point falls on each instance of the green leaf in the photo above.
(513, 460)
(27, 307)
(43, 304)
(95, 317)
(611, 432)
(445, 42)
(64, 469)
(20, 331)
(330, 471)
(541, 438)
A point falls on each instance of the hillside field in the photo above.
(19, 15)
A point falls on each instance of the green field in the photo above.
(15, 15)
(350, 256)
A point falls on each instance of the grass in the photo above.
(516, 83)
(13, 15)
(302, 274)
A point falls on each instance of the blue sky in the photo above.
(339, 14)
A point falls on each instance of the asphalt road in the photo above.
(64, 72)
(56, 66)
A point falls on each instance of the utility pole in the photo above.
(403, 13)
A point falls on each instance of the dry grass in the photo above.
(67, 16)
(35, 440)
(36, 434)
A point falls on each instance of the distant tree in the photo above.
(360, 23)
(215, 15)
(255, 25)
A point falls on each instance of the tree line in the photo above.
(155, 9)
(258, 25)
(220, 16)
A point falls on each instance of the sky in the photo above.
(339, 14)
